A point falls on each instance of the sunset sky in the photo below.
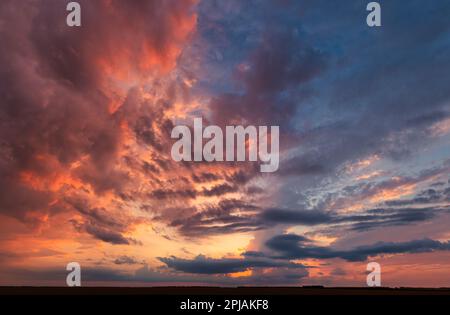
(86, 115)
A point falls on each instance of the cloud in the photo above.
(204, 265)
(227, 216)
(126, 260)
(205, 177)
(376, 218)
(362, 220)
(105, 225)
(281, 60)
(106, 235)
(219, 190)
(429, 196)
(308, 217)
(162, 194)
(292, 246)
(72, 98)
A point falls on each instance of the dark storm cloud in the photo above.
(204, 265)
(292, 246)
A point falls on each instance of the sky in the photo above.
(86, 115)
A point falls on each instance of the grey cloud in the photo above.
(204, 265)
(106, 235)
(126, 260)
(219, 218)
(303, 217)
(220, 190)
(364, 220)
(292, 246)
(428, 196)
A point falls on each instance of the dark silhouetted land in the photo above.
(260, 291)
